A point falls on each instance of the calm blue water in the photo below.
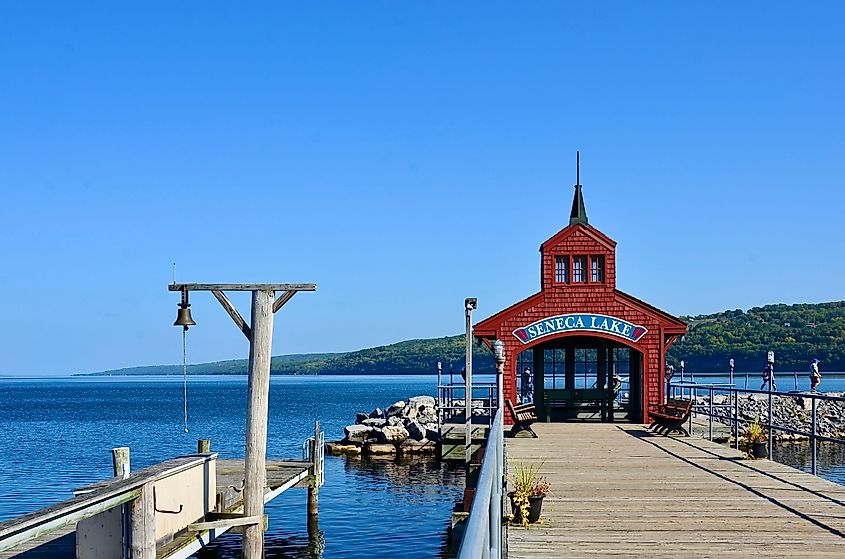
(62, 431)
(786, 380)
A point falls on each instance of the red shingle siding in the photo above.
(597, 298)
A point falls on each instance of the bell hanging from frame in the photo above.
(183, 318)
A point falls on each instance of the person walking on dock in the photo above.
(769, 377)
(525, 385)
(815, 375)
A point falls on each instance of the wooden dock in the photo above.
(618, 491)
(106, 495)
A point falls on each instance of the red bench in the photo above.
(523, 418)
(671, 416)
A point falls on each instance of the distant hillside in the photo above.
(797, 334)
(408, 357)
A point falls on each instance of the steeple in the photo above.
(579, 212)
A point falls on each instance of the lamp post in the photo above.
(499, 353)
(470, 304)
(731, 362)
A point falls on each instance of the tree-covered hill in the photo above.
(796, 333)
(408, 357)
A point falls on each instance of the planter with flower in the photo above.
(529, 488)
(755, 439)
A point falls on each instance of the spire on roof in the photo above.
(579, 212)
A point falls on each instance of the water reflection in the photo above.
(830, 458)
(368, 507)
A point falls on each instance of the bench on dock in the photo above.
(579, 400)
(671, 416)
(523, 417)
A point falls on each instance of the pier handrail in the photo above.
(733, 418)
(483, 535)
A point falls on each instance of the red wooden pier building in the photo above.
(592, 350)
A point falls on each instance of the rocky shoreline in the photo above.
(407, 427)
(792, 412)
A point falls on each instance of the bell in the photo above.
(183, 318)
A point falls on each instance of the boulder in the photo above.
(411, 446)
(395, 421)
(374, 422)
(339, 448)
(418, 402)
(357, 433)
(416, 430)
(427, 416)
(360, 417)
(377, 413)
(392, 434)
(380, 449)
(396, 409)
(432, 434)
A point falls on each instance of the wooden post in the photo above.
(142, 529)
(203, 446)
(256, 428)
(314, 483)
(120, 461)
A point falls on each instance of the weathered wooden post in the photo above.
(260, 336)
(203, 446)
(255, 476)
(142, 529)
(314, 482)
(120, 461)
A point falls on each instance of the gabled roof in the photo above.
(489, 327)
(588, 230)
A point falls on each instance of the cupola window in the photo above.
(579, 269)
(597, 269)
(562, 269)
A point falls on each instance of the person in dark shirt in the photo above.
(525, 385)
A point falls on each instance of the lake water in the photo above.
(57, 435)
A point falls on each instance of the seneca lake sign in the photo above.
(580, 323)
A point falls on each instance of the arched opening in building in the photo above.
(582, 378)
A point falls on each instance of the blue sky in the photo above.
(402, 156)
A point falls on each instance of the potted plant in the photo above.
(755, 439)
(529, 488)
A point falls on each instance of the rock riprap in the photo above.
(793, 412)
(405, 427)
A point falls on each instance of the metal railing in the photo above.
(451, 400)
(732, 416)
(309, 446)
(483, 535)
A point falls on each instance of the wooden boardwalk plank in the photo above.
(618, 491)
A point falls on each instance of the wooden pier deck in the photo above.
(618, 491)
(61, 543)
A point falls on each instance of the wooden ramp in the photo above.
(618, 491)
(61, 543)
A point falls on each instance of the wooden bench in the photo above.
(671, 416)
(578, 400)
(523, 417)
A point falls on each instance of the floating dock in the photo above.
(619, 491)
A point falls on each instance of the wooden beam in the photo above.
(239, 520)
(242, 287)
(283, 298)
(233, 312)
